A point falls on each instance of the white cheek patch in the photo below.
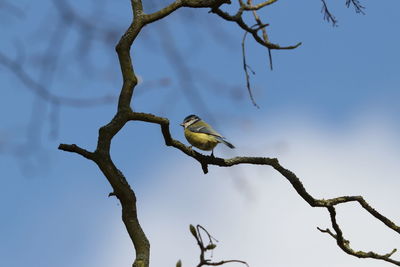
(190, 122)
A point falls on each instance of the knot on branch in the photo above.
(204, 167)
(219, 3)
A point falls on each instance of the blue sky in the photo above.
(331, 103)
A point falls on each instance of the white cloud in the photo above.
(274, 227)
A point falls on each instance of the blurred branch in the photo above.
(42, 91)
(69, 15)
(12, 9)
(262, 26)
(179, 65)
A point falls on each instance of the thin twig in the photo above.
(246, 68)
(262, 26)
(357, 6)
(328, 16)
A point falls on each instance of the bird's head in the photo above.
(189, 120)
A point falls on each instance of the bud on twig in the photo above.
(193, 231)
(211, 246)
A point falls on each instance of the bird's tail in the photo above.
(226, 143)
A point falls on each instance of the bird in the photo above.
(201, 135)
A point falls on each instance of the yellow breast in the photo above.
(201, 140)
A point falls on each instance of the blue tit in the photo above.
(201, 135)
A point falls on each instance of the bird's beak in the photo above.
(181, 124)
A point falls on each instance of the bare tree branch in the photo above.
(262, 27)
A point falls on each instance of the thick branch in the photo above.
(183, 3)
(128, 75)
(137, 8)
(127, 198)
(120, 186)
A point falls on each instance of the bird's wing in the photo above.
(205, 130)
